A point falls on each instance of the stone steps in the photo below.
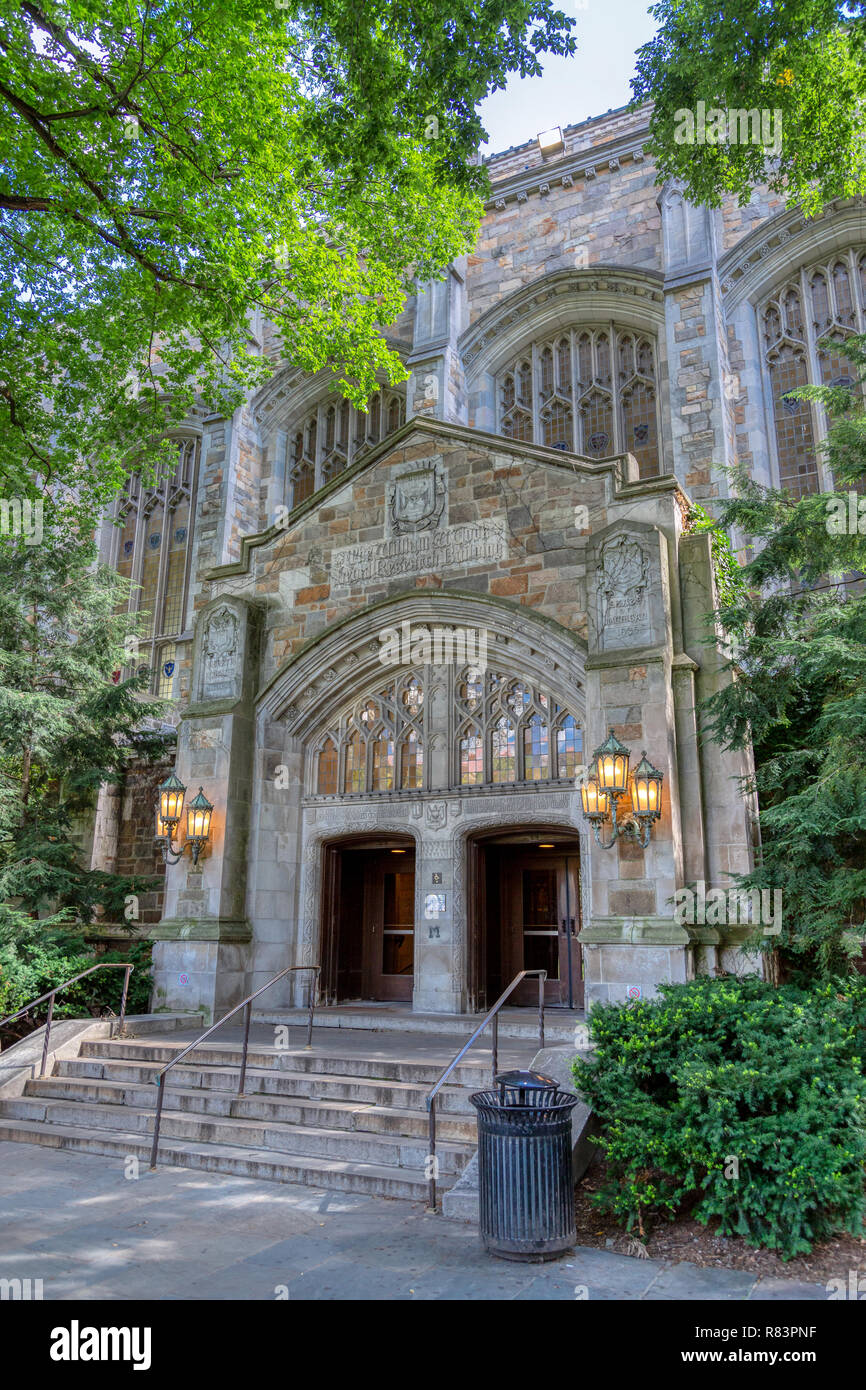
(349, 1115)
(517, 1024)
(390, 1150)
(346, 1118)
(335, 1174)
(400, 1094)
(474, 1072)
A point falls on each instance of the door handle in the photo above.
(563, 925)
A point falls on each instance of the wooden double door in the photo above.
(369, 945)
(530, 920)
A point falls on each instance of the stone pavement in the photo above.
(76, 1222)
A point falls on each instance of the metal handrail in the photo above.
(106, 965)
(494, 1015)
(244, 1004)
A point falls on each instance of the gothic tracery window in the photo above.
(334, 435)
(592, 391)
(800, 323)
(154, 549)
(504, 731)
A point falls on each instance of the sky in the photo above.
(595, 80)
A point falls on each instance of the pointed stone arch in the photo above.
(340, 664)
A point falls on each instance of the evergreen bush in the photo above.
(745, 1100)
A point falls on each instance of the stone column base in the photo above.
(624, 953)
(199, 964)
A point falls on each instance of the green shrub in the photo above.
(726, 1074)
(31, 970)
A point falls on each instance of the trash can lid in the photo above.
(526, 1081)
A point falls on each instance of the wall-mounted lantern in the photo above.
(168, 813)
(608, 781)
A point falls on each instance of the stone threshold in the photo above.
(559, 1024)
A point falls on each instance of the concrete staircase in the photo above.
(331, 1118)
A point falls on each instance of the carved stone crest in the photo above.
(622, 579)
(437, 814)
(220, 652)
(416, 501)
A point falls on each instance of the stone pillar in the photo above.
(201, 952)
(632, 938)
(437, 385)
(729, 814)
(276, 908)
(438, 970)
(701, 416)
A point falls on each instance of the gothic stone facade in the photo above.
(605, 352)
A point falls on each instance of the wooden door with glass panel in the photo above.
(389, 924)
(541, 905)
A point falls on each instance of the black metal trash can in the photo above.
(525, 1169)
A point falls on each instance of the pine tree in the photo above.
(800, 688)
(68, 723)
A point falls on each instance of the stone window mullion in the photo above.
(769, 398)
(857, 291)
(613, 337)
(190, 526)
(819, 417)
(575, 427)
(320, 418)
(536, 394)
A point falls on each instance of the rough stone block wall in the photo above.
(136, 851)
(738, 222)
(543, 568)
(612, 219)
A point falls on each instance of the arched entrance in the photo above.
(368, 918)
(525, 913)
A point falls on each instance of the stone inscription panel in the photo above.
(426, 552)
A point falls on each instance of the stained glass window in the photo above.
(153, 548)
(503, 752)
(471, 759)
(601, 411)
(800, 323)
(335, 434)
(569, 747)
(536, 750)
(411, 762)
(326, 782)
(355, 778)
(383, 765)
(507, 731)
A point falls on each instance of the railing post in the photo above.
(541, 980)
(157, 1119)
(314, 981)
(495, 1047)
(247, 1012)
(47, 1031)
(431, 1157)
(120, 1028)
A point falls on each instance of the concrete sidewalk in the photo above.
(88, 1232)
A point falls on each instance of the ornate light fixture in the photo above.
(168, 813)
(608, 781)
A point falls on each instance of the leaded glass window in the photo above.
(504, 730)
(334, 435)
(800, 323)
(154, 548)
(592, 391)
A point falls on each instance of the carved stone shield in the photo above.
(416, 501)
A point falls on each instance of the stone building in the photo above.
(393, 639)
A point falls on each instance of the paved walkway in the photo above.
(76, 1222)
